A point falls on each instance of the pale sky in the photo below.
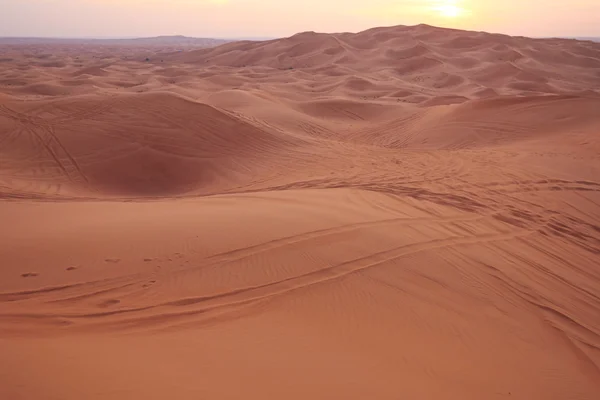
(277, 18)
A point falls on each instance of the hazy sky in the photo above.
(275, 18)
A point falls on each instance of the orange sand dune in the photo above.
(404, 212)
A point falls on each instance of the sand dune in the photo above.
(419, 54)
(489, 122)
(158, 41)
(147, 144)
(404, 212)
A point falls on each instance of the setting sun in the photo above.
(450, 10)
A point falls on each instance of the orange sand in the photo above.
(402, 213)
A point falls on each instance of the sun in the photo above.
(449, 10)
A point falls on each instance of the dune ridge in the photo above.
(402, 212)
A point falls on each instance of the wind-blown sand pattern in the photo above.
(406, 212)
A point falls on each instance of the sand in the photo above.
(405, 212)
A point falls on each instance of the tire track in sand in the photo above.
(221, 302)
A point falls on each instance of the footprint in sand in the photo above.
(29, 274)
(147, 285)
(71, 268)
(112, 260)
(108, 303)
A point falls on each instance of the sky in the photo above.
(278, 18)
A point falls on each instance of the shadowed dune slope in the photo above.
(490, 122)
(154, 144)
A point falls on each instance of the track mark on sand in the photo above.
(222, 302)
(341, 270)
(238, 254)
(33, 125)
(52, 133)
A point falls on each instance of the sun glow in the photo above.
(449, 9)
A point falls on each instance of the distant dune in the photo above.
(593, 39)
(431, 59)
(404, 212)
(150, 41)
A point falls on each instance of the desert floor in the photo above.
(402, 213)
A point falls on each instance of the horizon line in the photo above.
(261, 38)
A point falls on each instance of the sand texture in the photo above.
(401, 213)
